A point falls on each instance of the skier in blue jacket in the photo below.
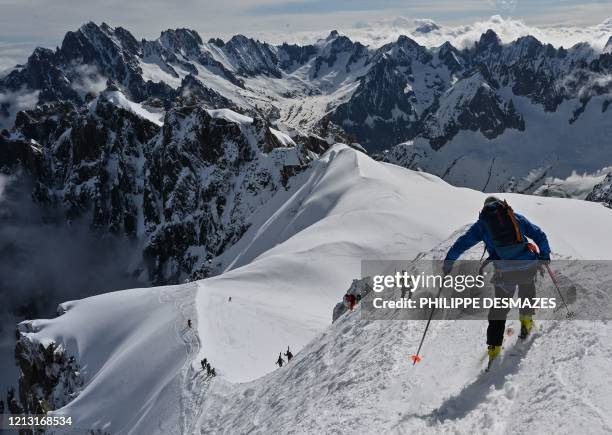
(504, 234)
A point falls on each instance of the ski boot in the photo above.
(526, 326)
(493, 352)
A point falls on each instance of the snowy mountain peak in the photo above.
(528, 41)
(405, 41)
(489, 39)
(252, 57)
(332, 35)
(100, 36)
(217, 42)
(90, 27)
(39, 54)
(184, 41)
(406, 50)
(451, 57)
(471, 104)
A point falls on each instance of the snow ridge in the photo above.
(283, 294)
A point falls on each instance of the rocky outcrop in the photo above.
(359, 288)
(184, 191)
(49, 376)
(251, 57)
(84, 160)
(602, 192)
(471, 104)
(207, 172)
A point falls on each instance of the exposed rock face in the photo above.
(602, 192)
(126, 134)
(50, 378)
(359, 289)
(407, 84)
(192, 91)
(383, 108)
(396, 89)
(185, 190)
(353, 53)
(252, 57)
(471, 104)
(207, 172)
(84, 160)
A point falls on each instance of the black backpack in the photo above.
(501, 225)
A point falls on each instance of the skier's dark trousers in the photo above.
(505, 284)
(505, 235)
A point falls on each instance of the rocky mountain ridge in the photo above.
(184, 189)
(381, 96)
(174, 142)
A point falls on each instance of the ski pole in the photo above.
(570, 314)
(416, 358)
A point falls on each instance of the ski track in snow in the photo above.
(192, 378)
(504, 399)
(339, 385)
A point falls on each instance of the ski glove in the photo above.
(544, 259)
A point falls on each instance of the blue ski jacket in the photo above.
(477, 233)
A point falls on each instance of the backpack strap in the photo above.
(517, 231)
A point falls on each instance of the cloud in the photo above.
(13, 102)
(574, 186)
(13, 54)
(221, 18)
(379, 32)
(45, 261)
(88, 80)
(4, 180)
(588, 84)
(505, 5)
(56, 259)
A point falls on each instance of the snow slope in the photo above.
(120, 100)
(132, 346)
(549, 147)
(140, 360)
(356, 377)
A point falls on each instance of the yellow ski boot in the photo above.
(526, 326)
(493, 352)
